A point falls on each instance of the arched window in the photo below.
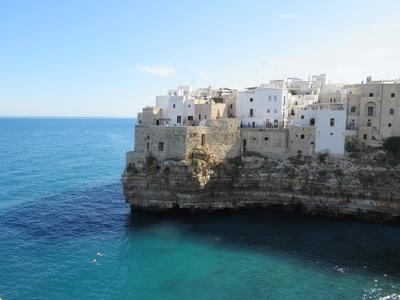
(370, 109)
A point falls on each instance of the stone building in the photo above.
(318, 128)
(373, 111)
(220, 138)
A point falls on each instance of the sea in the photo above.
(66, 232)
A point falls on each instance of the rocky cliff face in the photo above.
(320, 186)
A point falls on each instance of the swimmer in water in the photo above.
(93, 261)
(99, 254)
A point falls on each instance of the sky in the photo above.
(111, 58)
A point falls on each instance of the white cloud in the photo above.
(287, 16)
(162, 71)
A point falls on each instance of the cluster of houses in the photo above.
(293, 115)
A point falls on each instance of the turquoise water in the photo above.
(61, 202)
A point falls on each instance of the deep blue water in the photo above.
(61, 202)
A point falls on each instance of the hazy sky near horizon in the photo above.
(110, 58)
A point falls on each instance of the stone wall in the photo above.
(265, 142)
(301, 140)
(224, 138)
(220, 137)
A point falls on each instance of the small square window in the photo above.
(268, 110)
(173, 105)
(302, 117)
(331, 133)
(365, 136)
(302, 136)
(353, 109)
(251, 99)
(275, 98)
(160, 146)
(332, 122)
(275, 111)
(392, 95)
(391, 111)
(269, 98)
(389, 124)
(371, 94)
(266, 138)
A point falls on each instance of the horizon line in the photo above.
(63, 117)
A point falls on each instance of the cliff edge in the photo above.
(314, 185)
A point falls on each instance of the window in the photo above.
(331, 133)
(160, 146)
(371, 94)
(173, 105)
(269, 98)
(365, 136)
(275, 111)
(190, 118)
(148, 137)
(353, 109)
(178, 119)
(369, 123)
(302, 136)
(231, 106)
(370, 110)
(266, 138)
(302, 117)
(391, 111)
(268, 110)
(254, 138)
(199, 117)
(244, 143)
(275, 98)
(189, 105)
(332, 122)
(392, 95)
(203, 139)
(350, 92)
(147, 146)
(251, 112)
(251, 99)
(312, 122)
(389, 124)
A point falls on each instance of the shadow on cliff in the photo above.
(339, 244)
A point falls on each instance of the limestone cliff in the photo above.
(320, 185)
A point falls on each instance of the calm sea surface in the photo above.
(61, 202)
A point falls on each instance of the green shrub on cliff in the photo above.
(392, 145)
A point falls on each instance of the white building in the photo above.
(329, 121)
(262, 106)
